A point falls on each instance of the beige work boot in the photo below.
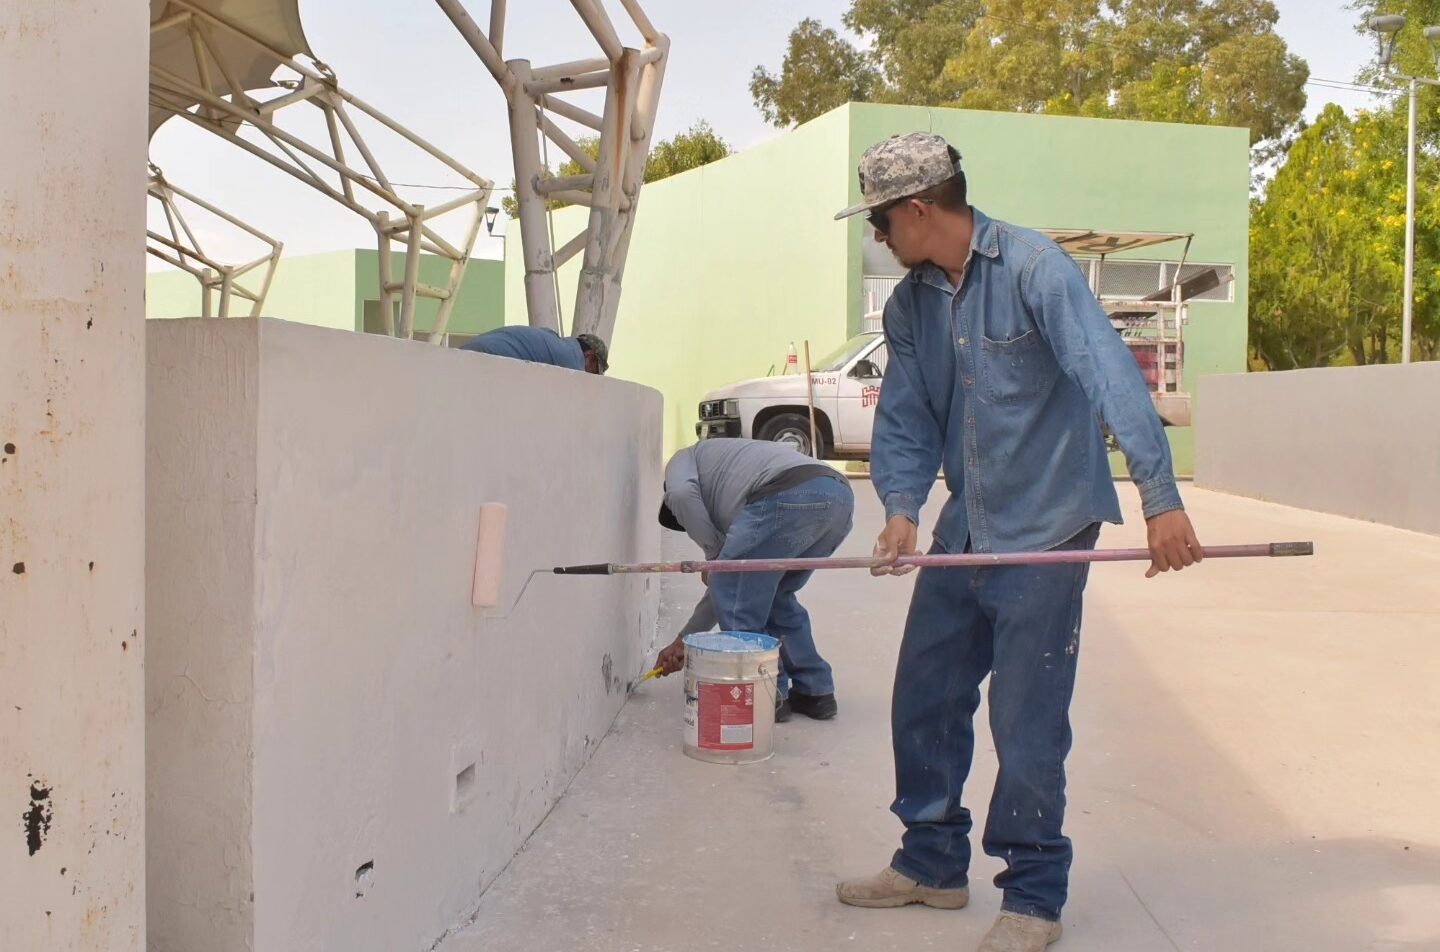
(888, 889)
(1013, 932)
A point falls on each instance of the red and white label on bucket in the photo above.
(720, 715)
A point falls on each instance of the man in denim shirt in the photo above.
(541, 345)
(1002, 365)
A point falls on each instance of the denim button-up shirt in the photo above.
(1005, 381)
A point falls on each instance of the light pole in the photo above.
(1387, 30)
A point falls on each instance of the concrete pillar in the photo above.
(73, 92)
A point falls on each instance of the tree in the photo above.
(696, 146)
(1205, 61)
(911, 40)
(1035, 56)
(820, 71)
(1327, 248)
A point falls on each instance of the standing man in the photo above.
(1002, 364)
(541, 345)
(746, 499)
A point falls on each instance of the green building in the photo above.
(732, 262)
(341, 289)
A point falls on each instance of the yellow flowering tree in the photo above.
(1327, 247)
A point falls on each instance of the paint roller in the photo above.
(490, 551)
(969, 559)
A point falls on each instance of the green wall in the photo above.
(732, 261)
(330, 290)
(480, 305)
(1063, 172)
(309, 289)
(729, 263)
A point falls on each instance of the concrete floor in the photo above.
(1256, 767)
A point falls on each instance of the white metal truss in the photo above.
(182, 249)
(206, 57)
(609, 185)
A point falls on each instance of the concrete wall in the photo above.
(1357, 441)
(200, 572)
(72, 442)
(369, 749)
(330, 290)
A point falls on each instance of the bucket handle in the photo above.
(771, 680)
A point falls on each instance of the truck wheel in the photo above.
(792, 428)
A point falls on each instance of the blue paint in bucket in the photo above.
(731, 641)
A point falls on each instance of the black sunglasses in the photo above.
(879, 219)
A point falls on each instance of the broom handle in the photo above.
(973, 559)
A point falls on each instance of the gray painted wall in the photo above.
(343, 752)
(1356, 441)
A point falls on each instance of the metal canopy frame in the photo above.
(1085, 241)
(609, 186)
(209, 80)
(182, 249)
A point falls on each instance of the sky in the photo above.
(405, 58)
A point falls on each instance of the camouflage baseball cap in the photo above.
(902, 166)
(596, 346)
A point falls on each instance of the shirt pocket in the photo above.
(1017, 369)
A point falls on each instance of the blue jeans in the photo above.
(1020, 625)
(806, 521)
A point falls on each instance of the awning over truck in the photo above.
(1083, 241)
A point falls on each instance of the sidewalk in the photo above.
(1256, 769)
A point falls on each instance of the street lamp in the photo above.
(1387, 30)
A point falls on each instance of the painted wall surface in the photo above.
(330, 290)
(199, 671)
(1064, 172)
(479, 307)
(72, 470)
(736, 259)
(402, 743)
(1357, 441)
(310, 289)
(729, 263)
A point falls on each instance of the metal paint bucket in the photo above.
(730, 696)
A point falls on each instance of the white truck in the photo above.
(847, 387)
(847, 381)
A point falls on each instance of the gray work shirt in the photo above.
(706, 486)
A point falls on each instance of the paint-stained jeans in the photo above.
(1020, 625)
(807, 521)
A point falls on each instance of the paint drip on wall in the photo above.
(37, 818)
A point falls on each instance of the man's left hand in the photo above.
(1172, 542)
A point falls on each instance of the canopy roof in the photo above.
(260, 35)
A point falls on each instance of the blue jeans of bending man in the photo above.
(805, 521)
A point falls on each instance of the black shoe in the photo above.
(782, 711)
(820, 707)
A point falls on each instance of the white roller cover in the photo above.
(274, 23)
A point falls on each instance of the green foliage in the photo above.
(1202, 61)
(820, 71)
(1327, 248)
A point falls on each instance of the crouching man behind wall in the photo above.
(744, 499)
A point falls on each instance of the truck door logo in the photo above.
(869, 396)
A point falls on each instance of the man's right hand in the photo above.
(897, 539)
(672, 656)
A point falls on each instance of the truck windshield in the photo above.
(836, 360)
